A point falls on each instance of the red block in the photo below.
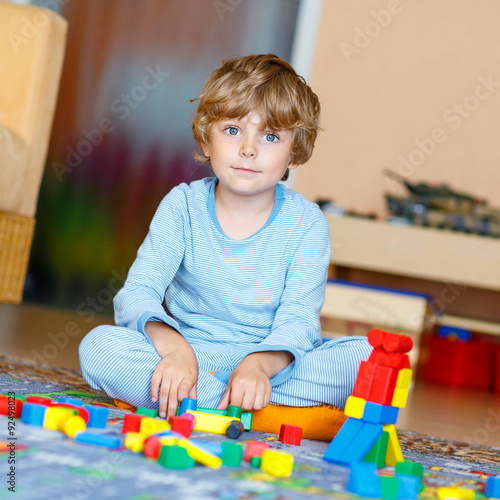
(181, 425)
(255, 449)
(364, 380)
(390, 342)
(393, 359)
(497, 371)
(152, 447)
(132, 422)
(290, 434)
(384, 383)
(39, 400)
(4, 407)
(460, 363)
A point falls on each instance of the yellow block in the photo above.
(354, 407)
(135, 441)
(208, 422)
(169, 441)
(277, 463)
(404, 378)
(73, 425)
(200, 455)
(152, 426)
(400, 397)
(55, 417)
(453, 492)
(394, 454)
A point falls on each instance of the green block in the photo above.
(234, 411)
(232, 454)
(175, 457)
(255, 461)
(147, 412)
(409, 468)
(378, 451)
(390, 487)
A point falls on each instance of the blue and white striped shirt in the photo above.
(227, 297)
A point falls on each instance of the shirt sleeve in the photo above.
(296, 327)
(158, 259)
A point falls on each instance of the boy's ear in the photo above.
(293, 166)
(206, 150)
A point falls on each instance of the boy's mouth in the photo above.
(245, 170)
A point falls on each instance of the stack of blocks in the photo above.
(369, 434)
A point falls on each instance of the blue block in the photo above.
(493, 487)
(380, 414)
(212, 447)
(342, 440)
(187, 404)
(362, 443)
(98, 439)
(33, 414)
(450, 331)
(364, 480)
(70, 401)
(98, 416)
(409, 487)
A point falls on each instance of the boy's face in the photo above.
(245, 157)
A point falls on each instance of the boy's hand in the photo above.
(176, 374)
(249, 385)
(175, 377)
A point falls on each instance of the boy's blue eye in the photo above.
(232, 130)
(271, 138)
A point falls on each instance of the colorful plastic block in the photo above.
(246, 416)
(152, 426)
(378, 451)
(277, 463)
(234, 429)
(70, 401)
(147, 412)
(364, 481)
(56, 417)
(211, 446)
(290, 434)
(191, 418)
(175, 457)
(232, 454)
(132, 422)
(493, 487)
(409, 487)
(73, 425)
(394, 454)
(454, 492)
(255, 462)
(39, 400)
(98, 440)
(234, 411)
(152, 447)
(181, 425)
(364, 380)
(354, 407)
(384, 383)
(390, 342)
(82, 412)
(409, 468)
(255, 449)
(207, 422)
(404, 378)
(391, 359)
(33, 414)
(390, 487)
(17, 406)
(342, 440)
(400, 397)
(200, 454)
(98, 416)
(134, 441)
(187, 404)
(380, 414)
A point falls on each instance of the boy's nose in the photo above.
(248, 149)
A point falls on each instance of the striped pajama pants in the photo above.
(121, 361)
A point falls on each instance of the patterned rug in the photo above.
(49, 465)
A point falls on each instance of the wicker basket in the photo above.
(16, 235)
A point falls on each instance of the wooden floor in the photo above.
(52, 336)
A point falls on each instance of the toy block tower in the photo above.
(381, 389)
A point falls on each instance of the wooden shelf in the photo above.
(417, 252)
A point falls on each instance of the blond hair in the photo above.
(263, 83)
